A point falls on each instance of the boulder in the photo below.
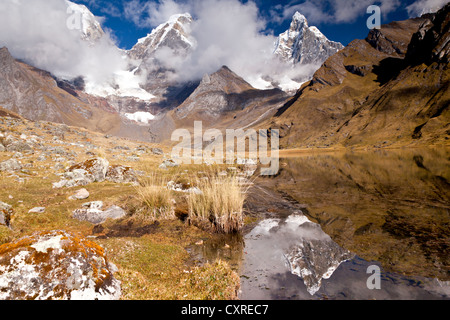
(157, 151)
(80, 195)
(10, 165)
(121, 174)
(97, 167)
(19, 146)
(6, 213)
(179, 187)
(84, 173)
(169, 163)
(56, 266)
(93, 205)
(92, 213)
(75, 178)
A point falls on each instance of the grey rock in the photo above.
(10, 165)
(37, 210)
(96, 205)
(19, 146)
(169, 163)
(82, 174)
(91, 212)
(157, 151)
(80, 195)
(60, 184)
(58, 167)
(114, 212)
(121, 174)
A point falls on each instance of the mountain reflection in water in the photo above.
(388, 208)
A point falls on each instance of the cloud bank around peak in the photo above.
(227, 32)
(37, 32)
(421, 7)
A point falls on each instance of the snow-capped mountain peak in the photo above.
(298, 20)
(302, 44)
(85, 21)
(174, 34)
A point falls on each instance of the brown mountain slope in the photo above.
(35, 95)
(223, 100)
(370, 95)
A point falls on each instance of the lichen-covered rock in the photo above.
(121, 174)
(84, 173)
(6, 213)
(96, 167)
(56, 265)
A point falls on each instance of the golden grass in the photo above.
(156, 199)
(153, 266)
(220, 205)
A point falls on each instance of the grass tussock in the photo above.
(219, 207)
(157, 200)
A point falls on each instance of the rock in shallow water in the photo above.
(56, 265)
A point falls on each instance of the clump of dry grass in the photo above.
(157, 200)
(219, 207)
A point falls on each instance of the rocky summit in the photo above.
(302, 44)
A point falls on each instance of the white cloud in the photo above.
(421, 7)
(37, 32)
(332, 11)
(227, 32)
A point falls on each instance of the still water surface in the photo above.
(328, 217)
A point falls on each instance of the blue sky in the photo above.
(339, 20)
